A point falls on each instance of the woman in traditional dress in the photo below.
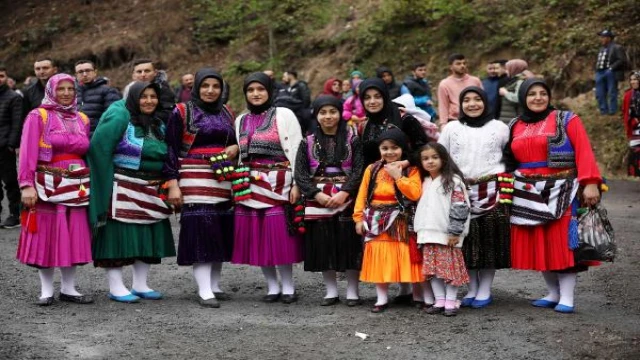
(551, 151)
(476, 143)
(198, 131)
(328, 172)
(129, 217)
(631, 117)
(55, 233)
(269, 138)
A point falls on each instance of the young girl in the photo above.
(442, 221)
(328, 171)
(382, 216)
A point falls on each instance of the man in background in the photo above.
(44, 68)
(10, 127)
(183, 92)
(609, 70)
(450, 88)
(93, 93)
(145, 70)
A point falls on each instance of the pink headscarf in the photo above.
(516, 66)
(50, 102)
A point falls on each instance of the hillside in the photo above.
(323, 39)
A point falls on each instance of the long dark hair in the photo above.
(449, 168)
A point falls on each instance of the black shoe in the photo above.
(11, 222)
(406, 299)
(450, 312)
(210, 303)
(222, 296)
(330, 301)
(288, 298)
(271, 298)
(418, 304)
(434, 310)
(353, 302)
(45, 301)
(78, 299)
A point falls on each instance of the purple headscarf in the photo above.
(50, 102)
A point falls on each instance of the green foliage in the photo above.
(40, 37)
(220, 22)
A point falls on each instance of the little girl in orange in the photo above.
(442, 222)
(383, 216)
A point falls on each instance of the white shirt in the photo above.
(476, 150)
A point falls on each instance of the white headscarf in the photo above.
(407, 104)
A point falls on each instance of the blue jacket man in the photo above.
(93, 93)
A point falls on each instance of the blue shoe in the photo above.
(129, 299)
(466, 302)
(479, 304)
(149, 295)
(544, 303)
(564, 309)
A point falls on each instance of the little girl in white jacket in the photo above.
(442, 222)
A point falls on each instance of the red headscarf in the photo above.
(327, 89)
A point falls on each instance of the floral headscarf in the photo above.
(50, 102)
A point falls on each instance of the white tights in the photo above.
(561, 287)
(331, 284)
(67, 281)
(480, 282)
(286, 277)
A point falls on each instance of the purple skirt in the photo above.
(261, 238)
(206, 233)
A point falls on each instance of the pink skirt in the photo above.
(261, 238)
(62, 237)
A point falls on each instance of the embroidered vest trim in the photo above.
(313, 149)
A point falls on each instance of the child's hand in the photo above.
(394, 169)
(403, 163)
(360, 228)
(453, 240)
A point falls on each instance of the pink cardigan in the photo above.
(353, 106)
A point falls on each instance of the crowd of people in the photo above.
(373, 178)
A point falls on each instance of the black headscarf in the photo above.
(389, 110)
(380, 72)
(529, 116)
(149, 122)
(486, 115)
(341, 134)
(265, 81)
(398, 137)
(376, 122)
(200, 77)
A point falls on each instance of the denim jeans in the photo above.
(607, 91)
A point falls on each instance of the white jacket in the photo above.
(289, 133)
(432, 214)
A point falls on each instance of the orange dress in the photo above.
(385, 259)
